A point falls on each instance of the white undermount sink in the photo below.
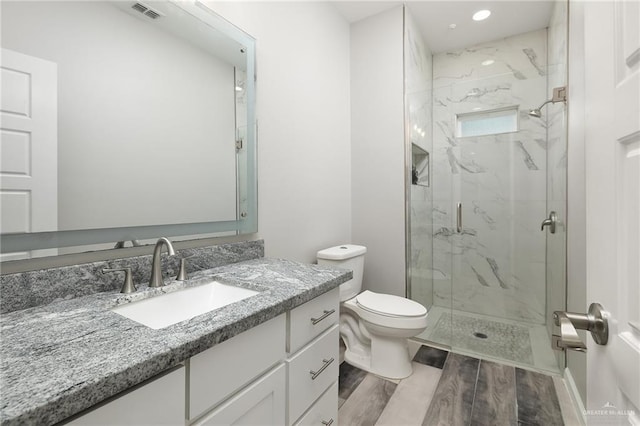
(171, 308)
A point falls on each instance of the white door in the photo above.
(612, 155)
(28, 146)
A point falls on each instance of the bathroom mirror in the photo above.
(123, 121)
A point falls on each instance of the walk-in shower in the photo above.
(479, 261)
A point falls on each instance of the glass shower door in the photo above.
(555, 118)
(508, 168)
(498, 270)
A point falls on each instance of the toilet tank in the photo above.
(346, 256)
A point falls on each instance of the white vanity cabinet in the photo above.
(283, 371)
(159, 401)
(312, 361)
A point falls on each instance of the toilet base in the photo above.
(390, 358)
(361, 362)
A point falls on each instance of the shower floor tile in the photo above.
(496, 339)
(510, 342)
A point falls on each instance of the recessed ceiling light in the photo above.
(481, 15)
(488, 62)
(452, 26)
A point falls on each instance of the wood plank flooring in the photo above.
(453, 401)
(449, 389)
(496, 395)
(534, 407)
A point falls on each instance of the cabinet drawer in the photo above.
(324, 411)
(218, 372)
(261, 403)
(319, 357)
(309, 320)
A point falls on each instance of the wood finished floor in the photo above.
(449, 389)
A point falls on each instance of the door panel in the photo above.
(612, 152)
(29, 149)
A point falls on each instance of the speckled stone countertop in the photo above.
(59, 359)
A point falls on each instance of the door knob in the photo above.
(595, 321)
(551, 222)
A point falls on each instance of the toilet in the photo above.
(374, 327)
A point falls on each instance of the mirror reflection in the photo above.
(119, 114)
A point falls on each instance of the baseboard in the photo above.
(575, 396)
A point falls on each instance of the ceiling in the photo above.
(434, 17)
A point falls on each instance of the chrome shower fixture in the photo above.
(559, 95)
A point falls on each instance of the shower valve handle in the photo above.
(551, 222)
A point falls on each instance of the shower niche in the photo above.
(419, 166)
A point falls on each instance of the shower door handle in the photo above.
(459, 218)
(551, 222)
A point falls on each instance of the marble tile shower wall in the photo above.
(496, 266)
(418, 86)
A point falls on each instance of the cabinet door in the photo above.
(159, 402)
(261, 403)
(228, 366)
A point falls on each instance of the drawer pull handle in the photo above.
(314, 321)
(315, 374)
(327, 423)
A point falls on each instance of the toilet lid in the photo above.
(387, 304)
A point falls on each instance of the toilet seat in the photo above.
(386, 311)
(389, 305)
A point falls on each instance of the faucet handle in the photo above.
(182, 272)
(127, 286)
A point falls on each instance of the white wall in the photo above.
(378, 152)
(304, 157)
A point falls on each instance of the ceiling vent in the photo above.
(146, 10)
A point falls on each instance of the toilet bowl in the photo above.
(374, 327)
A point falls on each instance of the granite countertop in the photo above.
(59, 359)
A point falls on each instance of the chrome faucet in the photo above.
(156, 269)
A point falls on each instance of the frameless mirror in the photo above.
(123, 121)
